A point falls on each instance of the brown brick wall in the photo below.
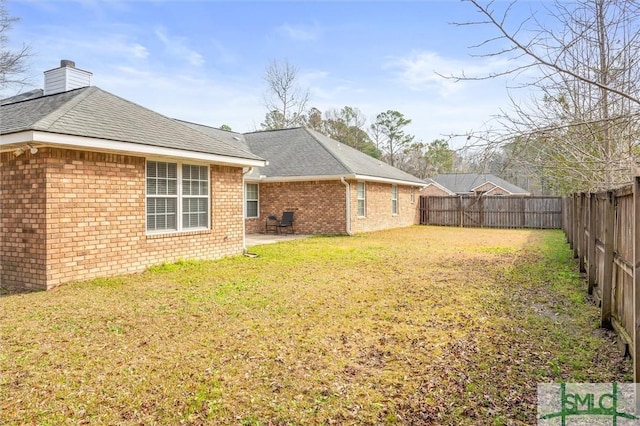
(491, 189)
(22, 222)
(320, 207)
(95, 219)
(378, 210)
(433, 191)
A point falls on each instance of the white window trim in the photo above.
(257, 200)
(363, 199)
(179, 197)
(394, 200)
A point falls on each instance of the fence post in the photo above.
(523, 215)
(582, 246)
(636, 278)
(607, 273)
(461, 212)
(427, 207)
(568, 202)
(591, 252)
(575, 225)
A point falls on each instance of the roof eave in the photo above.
(268, 179)
(9, 141)
(437, 185)
(390, 180)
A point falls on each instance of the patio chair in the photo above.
(271, 224)
(286, 223)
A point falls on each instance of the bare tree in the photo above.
(580, 130)
(285, 100)
(12, 62)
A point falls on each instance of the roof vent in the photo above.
(66, 77)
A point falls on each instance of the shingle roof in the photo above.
(466, 182)
(429, 181)
(300, 152)
(94, 113)
(230, 137)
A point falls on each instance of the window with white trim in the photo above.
(394, 199)
(251, 196)
(413, 195)
(362, 199)
(177, 197)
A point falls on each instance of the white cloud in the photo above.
(224, 55)
(203, 100)
(139, 51)
(300, 32)
(427, 71)
(177, 47)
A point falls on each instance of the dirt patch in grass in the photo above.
(413, 326)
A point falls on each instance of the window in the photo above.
(177, 197)
(413, 195)
(394, 199)
(362, 199)
(251, 199)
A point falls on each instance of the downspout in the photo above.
(244, 220)
(348, 204)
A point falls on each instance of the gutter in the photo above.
(244, 221)
(347, 203)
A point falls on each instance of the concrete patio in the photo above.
(259, 239)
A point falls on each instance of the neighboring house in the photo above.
(470, 184)
(94, 185)
(434, 189)
(331, 187)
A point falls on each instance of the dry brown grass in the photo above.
(413, 326)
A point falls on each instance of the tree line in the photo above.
(385, 139)
(580, 61)
(579, 131)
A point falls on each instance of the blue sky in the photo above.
(204, 61)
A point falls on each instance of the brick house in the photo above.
(94, 185)
(434, 189)
(331, 187)
(470, 184)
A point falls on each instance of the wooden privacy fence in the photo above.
(603, 229)
(492, 211)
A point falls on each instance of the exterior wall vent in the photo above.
(66, 77)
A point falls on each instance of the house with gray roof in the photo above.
(331, 187)
(471, 184)
(92, 185)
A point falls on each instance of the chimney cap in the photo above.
(67, 63)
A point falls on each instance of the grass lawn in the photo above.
(421, 325)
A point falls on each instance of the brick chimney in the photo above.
(66, 77)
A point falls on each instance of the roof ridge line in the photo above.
(183, 123)
(50, 119)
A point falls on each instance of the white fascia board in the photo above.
(437, 185)
(303, 178)
(337, 177)
(389, 180)
(40, 139)
(495, 186)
